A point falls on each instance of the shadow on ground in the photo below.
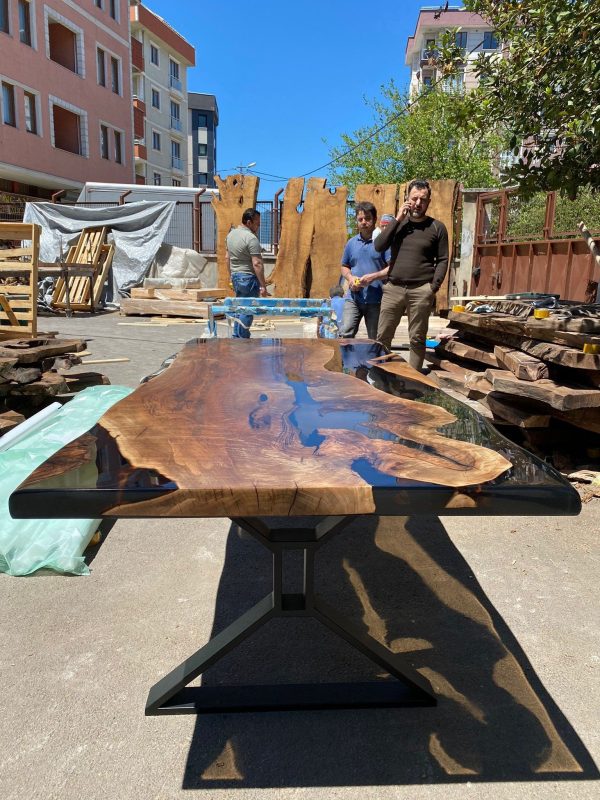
(406, 583)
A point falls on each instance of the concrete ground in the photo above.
(500, 614)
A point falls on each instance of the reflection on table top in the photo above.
(289, 427)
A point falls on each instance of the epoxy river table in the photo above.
(262, 430)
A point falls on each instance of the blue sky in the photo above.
(289, 74)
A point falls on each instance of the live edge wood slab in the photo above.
(284, 427)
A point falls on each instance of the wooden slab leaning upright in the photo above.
(236, 194)
(384, 196)
(289, 275)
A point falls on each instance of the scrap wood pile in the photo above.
(538, 380)
(33, 373)
(192, 301)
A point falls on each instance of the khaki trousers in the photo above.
(416, 302)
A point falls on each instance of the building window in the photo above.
(175, 116)
(67, 130)
(202, 150)
(202, 179)
(174, 80)
(114, 75)
(30, 113)
(202, 121)
(155, 98)
(9, 116)
(63, 46)
(460, 40)
(113, 8)
(490, 40)
(104, 141)
(101, 66)
(176, 162)
(100, 3)
(175, 182)
(154, 55)
(25, 22)
(157, 179)
(155, 140)
(4, 26)
(118, 147)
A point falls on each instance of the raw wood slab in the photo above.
(190, 295)
(462, 349)
(517, 411)
(505, 323)
(523, 365)
(30, 351)
(563, 398)
(175, 308)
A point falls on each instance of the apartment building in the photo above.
(160, 60)
(203, 119)
(475, 36)
(65, 101)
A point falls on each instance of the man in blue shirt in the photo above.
(363, 268)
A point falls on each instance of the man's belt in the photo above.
(407, 284)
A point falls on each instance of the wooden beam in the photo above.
(563, 398)
(523, 365)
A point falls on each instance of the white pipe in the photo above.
(28, 426)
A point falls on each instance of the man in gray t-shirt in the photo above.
(245, 265)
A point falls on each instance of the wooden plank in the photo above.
(50, 383)
(174, 308)
(236, 193)
(561, 354)
(563, 398)
(465, 350)
(30, 351)
(10, 314)
(193, 294)
(329, 239)
(14, 252)
(517, 411)
(384, 196)
(10, 420)
(532, 328)
(523, 365)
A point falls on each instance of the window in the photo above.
(460, 39)
(99, 3)
(202, 179)
(155, 140)
(202, 149)
(176, 161)
(114, 74)
(104, 141)
(154, 54)
(175, 116)
(157, 179)
(490, 40)
(174, 81)
(202, 121)
(9, 116)
(155, 98)
(67, 130)
(30, 113)
(63, 45)
(118, 147)
(4, 26)
(175, 182)
(427, 81)
(112, 8)
(24, 22)
(101, 66)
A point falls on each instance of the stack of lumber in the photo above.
(531, 377)
(19, 253)
(32, 375)
(188, 302)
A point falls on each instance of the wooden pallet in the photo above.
(87, 265)
(18, 302)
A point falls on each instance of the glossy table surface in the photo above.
(288, 427)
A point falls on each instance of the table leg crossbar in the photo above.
(405, 687)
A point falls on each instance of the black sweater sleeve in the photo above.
(441, 266)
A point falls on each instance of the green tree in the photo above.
(423, 138)
(544, 89)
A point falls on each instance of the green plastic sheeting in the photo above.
(27, 545)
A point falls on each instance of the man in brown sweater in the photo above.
(419, 261)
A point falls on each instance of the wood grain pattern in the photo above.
(384, 196)
(329, 239)
(295, 432)
(236, 194)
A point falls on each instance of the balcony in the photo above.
(429, 54)
(140, 152)
(137, 55)
(139, 118)
(177, 163)
(176, 123)
(174, 83)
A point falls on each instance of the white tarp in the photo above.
(138, 230)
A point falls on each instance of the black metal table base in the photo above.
(404, 688)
